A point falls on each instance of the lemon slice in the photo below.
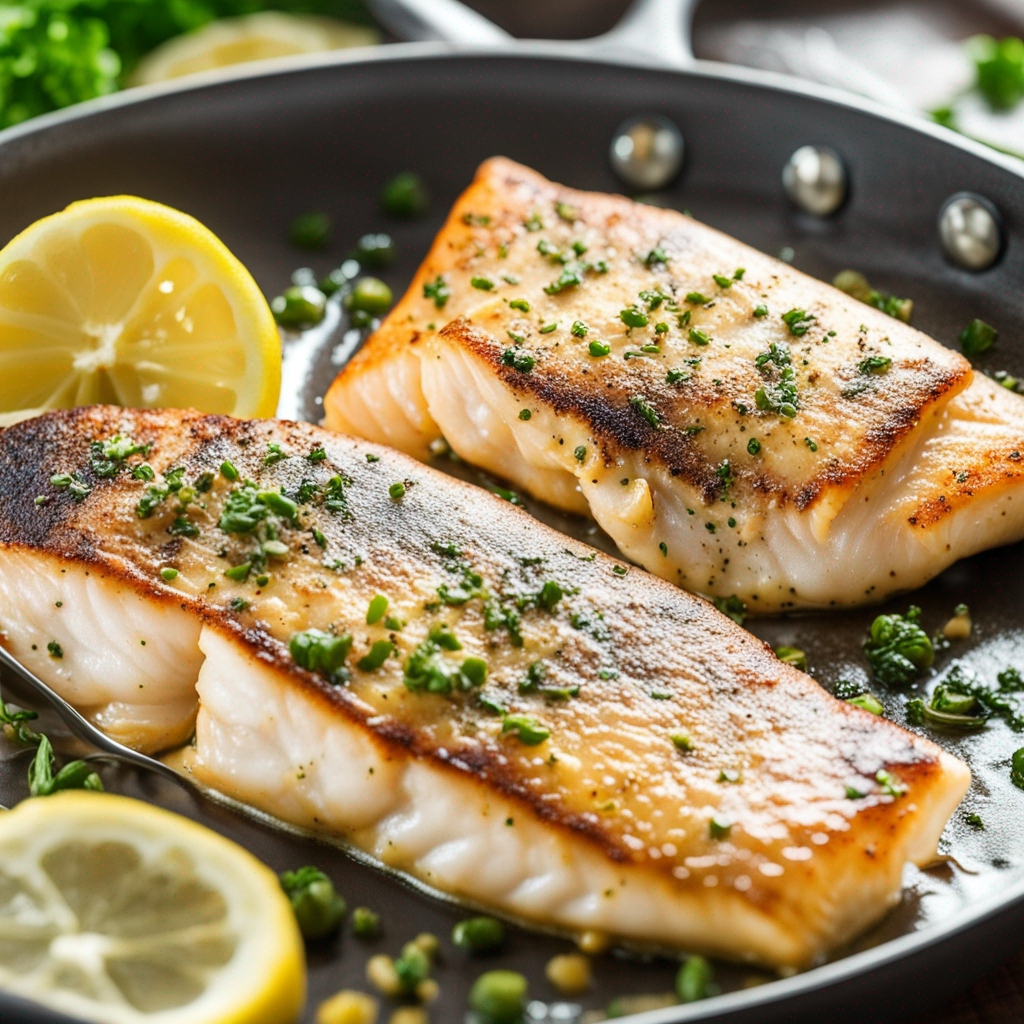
(129, 302)
(252, 37)
(116, 911)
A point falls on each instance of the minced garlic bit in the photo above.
(381, 974)
(348, 1007)
(958, 627)
(569, 973)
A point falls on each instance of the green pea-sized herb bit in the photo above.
(365, 923)
(1017, 768)
(719, 827)
(695, 980)
(599, 348)
(732, 606)
(528, 730)
(754, 446)
(856, 285)
(655, 256)
(644, 409)
(375, 612)
(580, 452)
(323, 653)
(168, 574)
(437, 290)
(898, 649)
(798, 321)
(319, 908)
(548, 328)
(579, 329)
(54, 649)
(999, 69)
(977, 338)
(779, 392)
(867, 702)
(760, 310)
(567, 212)
(479, 934)
(889, 784)
(405, 196)
(874, 364)
(792, 656)
(484, 284)
(570, 277)
(722, 281)
(311, 231)
(397, 491)
(518, 360)
(74, 775)
(681, 741)
(633, 317)
(500, 997)
(521, 304)
(299, 306)
(376, 656)
(371, 295)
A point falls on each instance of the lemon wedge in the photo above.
(125, 301)
(260, 36)
(116, 911)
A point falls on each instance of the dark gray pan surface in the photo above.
(246, 155)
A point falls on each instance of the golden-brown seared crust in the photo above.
(858, 421)
(769, 752)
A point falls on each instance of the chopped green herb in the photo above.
(599, 348)
(663, 548)
(898, 649)
(699, 337)
(319, 909)
(13, 723)
(580, 453)
(525, 414)
(169, 574)
(760, 310)
(655, 256)
(375, 612)
(405, 195)
(567, 212)
(619, 570)
(443, 636)
(1017, 768)
(660, 328)
(73, 484)
(74, 775)
(437, 290)
(732, 606)
(548, 328)
(55, 650)
(376, 656)
(527, 729)
(798, 321)
(779, 393)
(975, 821)
(427, 670)
(569, 278)
(811, 444)
(484, 284)
(719, 827)
(533, 223)
(889, 784)
(479, 935)
(875, 364)
(722, 281)
(322, 653)
(867, 702)
(697, 298)
(520, 304)
(681, 741)
(646, 410)
(633, 317)
(792, 656)
(579, 329)
(754, 446)
(397, 491)
(228, 471)
(518, 360)
(677, 376)
(977, 337)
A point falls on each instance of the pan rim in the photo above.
(848, 967)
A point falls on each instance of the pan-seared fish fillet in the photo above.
(876, 466)
(580, 744)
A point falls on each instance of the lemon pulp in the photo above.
(117, 911)
(125, 301)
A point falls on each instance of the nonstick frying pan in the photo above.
(247, 151)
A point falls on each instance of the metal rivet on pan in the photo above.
(647, 151)
(815, 179)
(970, 231)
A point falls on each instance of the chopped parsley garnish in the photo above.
(811, 444)
(976, 338)
(798, 321)
(274, 454)
(732, 606)
(760, 310)
(579, 329)
(54, 649)
(722, 281)
(437, 290)
(322, 653)
(73, 484)
(520, 304)
(443, 636)
(1017, 768)
(376, 656)
(599, 348)
(719, 828)
(681, 741)
(646, 410)
(533, 223)
(633, 317)
(228, 471)
(548, 328)
(898, 649)
(518, 360)
(580, 452)
(182, 527)
(567, 212)
(168, 574)
(754, 446)
(568, 278)
(778, 393)
(484, 284)
(677, 376)
(397, 491)
(697, 298)
(427, 670)
(377, 607)
(875, 364)
(528, 730)
(652, 298)
(106, 458)
(317, 454)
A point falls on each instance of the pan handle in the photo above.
(651, 30)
